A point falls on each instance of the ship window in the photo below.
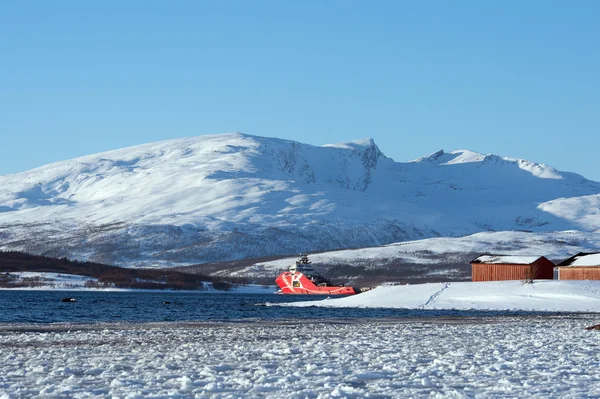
(296, 283)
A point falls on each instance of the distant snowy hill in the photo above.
(234, 196)
(426, 260)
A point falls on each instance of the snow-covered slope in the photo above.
(232, 196)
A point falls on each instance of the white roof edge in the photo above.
(508, 259)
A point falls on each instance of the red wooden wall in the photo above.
(498, 272)
(579, 273)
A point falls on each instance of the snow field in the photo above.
(55, 280)
(538, 357)
(541, 296)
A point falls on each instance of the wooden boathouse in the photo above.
(511, 267)
(583, 266)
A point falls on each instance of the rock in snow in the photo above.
(234, 196)
(595, 327)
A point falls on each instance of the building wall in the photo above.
(579, 273)
(499, 272)
(545, 269)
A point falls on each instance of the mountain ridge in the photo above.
(231, 196)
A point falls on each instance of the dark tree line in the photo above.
(107, 275)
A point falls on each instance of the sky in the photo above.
(512, 78)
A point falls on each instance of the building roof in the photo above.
(506, 259)
(582, 259)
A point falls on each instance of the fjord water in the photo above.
(103, 306)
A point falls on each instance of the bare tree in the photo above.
(531, 273)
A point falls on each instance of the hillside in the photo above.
(101, 276)
(235, 196)
(428, 260)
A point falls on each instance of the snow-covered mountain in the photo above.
(233, 196)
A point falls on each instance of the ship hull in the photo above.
(296, 283)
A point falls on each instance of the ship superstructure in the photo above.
(301, 278)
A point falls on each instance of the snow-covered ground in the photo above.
(70, 282)
(538, 357)
(542, 295)
(47, 280)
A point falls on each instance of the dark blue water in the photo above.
(46, 307)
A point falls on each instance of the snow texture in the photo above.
(541, 296)
(507, 357)
(234, 196)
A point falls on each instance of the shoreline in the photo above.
(240, 290)
(438, 320)
(433, 319)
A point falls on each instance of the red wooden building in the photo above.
(583, 266)
(511, 267)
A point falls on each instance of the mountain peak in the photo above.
(432, 157)
(454, 157)
(466, 156)
(360, 144)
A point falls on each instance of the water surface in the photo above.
(107, 306)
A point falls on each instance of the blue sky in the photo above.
(513, 78)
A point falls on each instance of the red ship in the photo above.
(302, 279)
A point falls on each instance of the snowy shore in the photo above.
(542, 295)
(70, 282)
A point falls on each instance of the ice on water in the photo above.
(485, 358)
